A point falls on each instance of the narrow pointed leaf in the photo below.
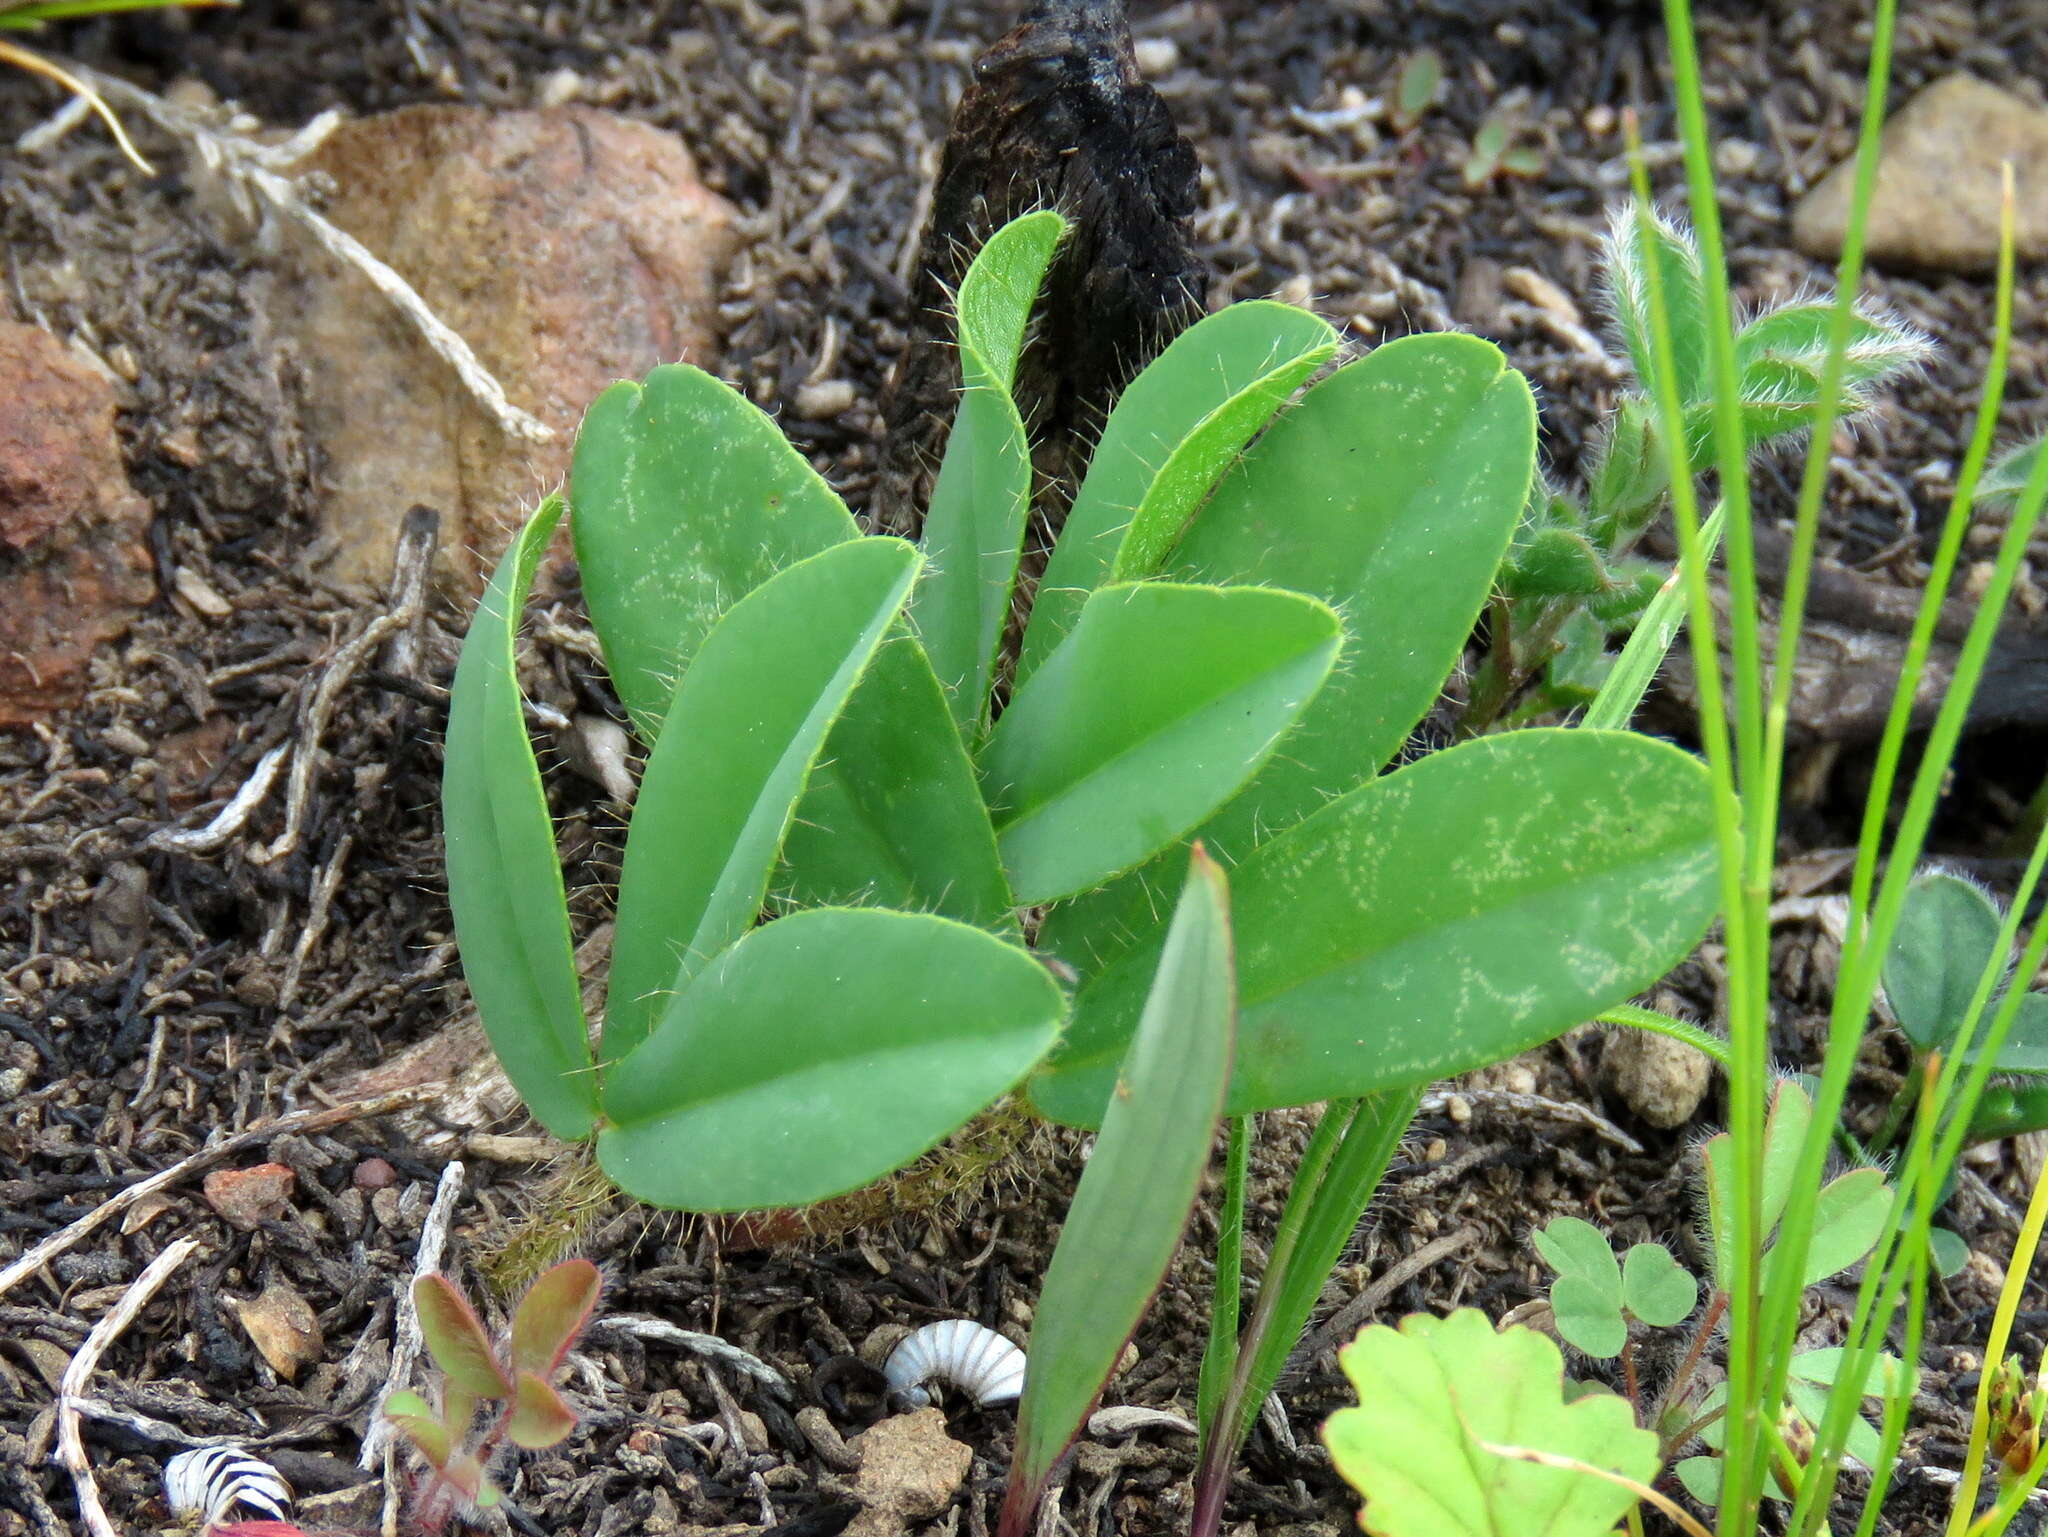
(1462, 909)
(552, 1314)
(747, 724)
(1132, 1205)
(974, 527)
(1160, 704)
(1389, 491)
(893, 816)
(819, 1053)
(539, 1417)
(456, 1338)
(1215, 385)
(686, 497)
(1682, 291)
(504, 875)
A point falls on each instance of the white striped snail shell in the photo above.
(211, 1481)
(959, 1353)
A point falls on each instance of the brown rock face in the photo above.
(74, 567)
(1938, 182)
(568, 248)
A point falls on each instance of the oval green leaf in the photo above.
(504, 874)
(551, 1315)
(539, 1418)
(686, 497)
(1151, 714)
(893, 816)
(1132, 1205)
(1946, 935)
(819, 1053)
(1172, 433)
(974, 527)
(1390, 491)
(1453, 913)
(456, 1339)
(749, 720)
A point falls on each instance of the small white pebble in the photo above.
(1458, 1108)
(1157, 56)
(558, 88)
(1736, 157)
(823, 401)
(193, 588)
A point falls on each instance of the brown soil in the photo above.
(151, 998)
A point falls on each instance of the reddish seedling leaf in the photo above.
(552, 1315)
(417, 1422)
(539, 1417)
(456, 1337)
(466, 1476)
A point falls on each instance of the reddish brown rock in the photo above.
(74, 567)
(249, 1197)
(569, 248)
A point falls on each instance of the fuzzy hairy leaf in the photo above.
(2005, 480)
(1173, 431)
(819, 1053)
(456, 1338)
(504, 873)
(539, 1416)
(751, 717)
(974, 527)
(1947, 934)
(1457, 911)
(1162, 701)
(1389, 491)
(552, 1315)
(686, 497)
(1682, 290)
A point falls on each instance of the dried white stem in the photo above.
(71, 1388)
(405, 1348)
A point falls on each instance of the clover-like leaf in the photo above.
(1438, 1401)
(1946, 936)
(456, 1338)
(1655, 1288)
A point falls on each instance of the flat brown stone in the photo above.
(1938, 183)
(569, 248)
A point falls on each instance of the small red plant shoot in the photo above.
(516, 1374)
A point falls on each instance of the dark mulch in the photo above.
(152, 998)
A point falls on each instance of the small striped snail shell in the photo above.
(212, 1481)
(960, 1353)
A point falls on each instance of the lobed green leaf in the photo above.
(1655, 1289)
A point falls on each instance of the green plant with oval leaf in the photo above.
(864, 846)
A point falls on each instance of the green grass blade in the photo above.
(504, 874)
(1132, 1205)
(1154, 711)
(1208, 392)
(1219, 1357)
(685, 498)
(1700, 1040)
(1648, 644)
(819, 1053)
(750, 718)
(974, 527)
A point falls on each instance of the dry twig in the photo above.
(405, 1349)
(70, 1441)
